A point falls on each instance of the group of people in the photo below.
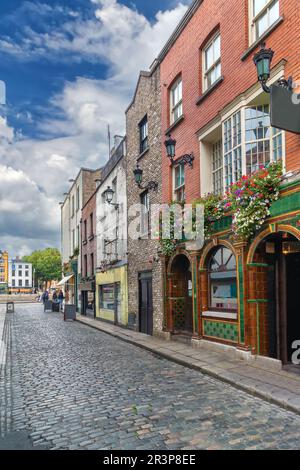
(56, 297)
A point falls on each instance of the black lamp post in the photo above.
(262, 60)
(138, 177)
(170, 145)
(109, 194)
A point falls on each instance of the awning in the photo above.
(65, 280)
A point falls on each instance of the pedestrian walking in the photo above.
(60, 299)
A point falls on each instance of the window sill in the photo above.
(209, 90)
(262, 38)
(175, 124)
(143, 153)
(227, 315)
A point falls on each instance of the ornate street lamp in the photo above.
(262, 60)
(170, 145)
(138, 177)
(109, 194)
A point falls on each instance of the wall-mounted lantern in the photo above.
(138, 176)
(109, 195)
(170, 145)
(262, 60)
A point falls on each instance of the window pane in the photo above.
(273, 13)
(209, 57)
(258, 5)
(217, 48)
(262, 24)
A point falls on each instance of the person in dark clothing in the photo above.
(60, 298)
(54, 296)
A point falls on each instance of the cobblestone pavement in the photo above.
(72, 387)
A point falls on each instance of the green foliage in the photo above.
(47, 264)
(248, 201)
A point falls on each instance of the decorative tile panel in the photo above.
(222, 330)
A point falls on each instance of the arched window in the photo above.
(222, 280)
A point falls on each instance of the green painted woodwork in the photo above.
(284, 204)
(222, 330)
(195, 307)
(223, 224)
(241, 299)
(258, 265)
(252, 301)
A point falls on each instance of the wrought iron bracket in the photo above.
(151, 185)
(282, 82)
(186, 159)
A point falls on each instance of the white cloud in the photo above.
(75, 132)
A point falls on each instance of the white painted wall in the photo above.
(111, 222)
(20, 270)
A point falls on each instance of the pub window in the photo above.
(217, 167)
(222, 280)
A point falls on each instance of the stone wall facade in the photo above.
(143, 253)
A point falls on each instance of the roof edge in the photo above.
(179, 28)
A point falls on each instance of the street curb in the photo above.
(184, 363)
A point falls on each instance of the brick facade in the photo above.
(88, 243)
(183, 57)
(251, 328)
(142, 254)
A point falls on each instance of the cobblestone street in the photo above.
(71, 387)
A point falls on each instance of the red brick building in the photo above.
(215, 109)
(88, 253)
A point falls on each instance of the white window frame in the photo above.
(145, 214)
(178, 104)
(254, 18)
(181, 187)
(217, 147)
(214, 65)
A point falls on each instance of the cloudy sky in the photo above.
(70, 68)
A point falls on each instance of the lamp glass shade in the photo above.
(138, 175)
(262, 60)
(170, 146)
(109, 194)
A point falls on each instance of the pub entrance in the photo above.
(281, 252)
(181, 305)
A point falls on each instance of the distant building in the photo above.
(3, 271)
(111, 231)
(83, 186)
(19, 276)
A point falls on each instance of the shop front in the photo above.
(241, 293)
(112, 296)
(87, 289)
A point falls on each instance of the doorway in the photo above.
(181, 295)
(145, 303)
(281, 252)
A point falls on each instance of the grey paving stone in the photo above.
(75, 387)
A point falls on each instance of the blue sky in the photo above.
(70, 67)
